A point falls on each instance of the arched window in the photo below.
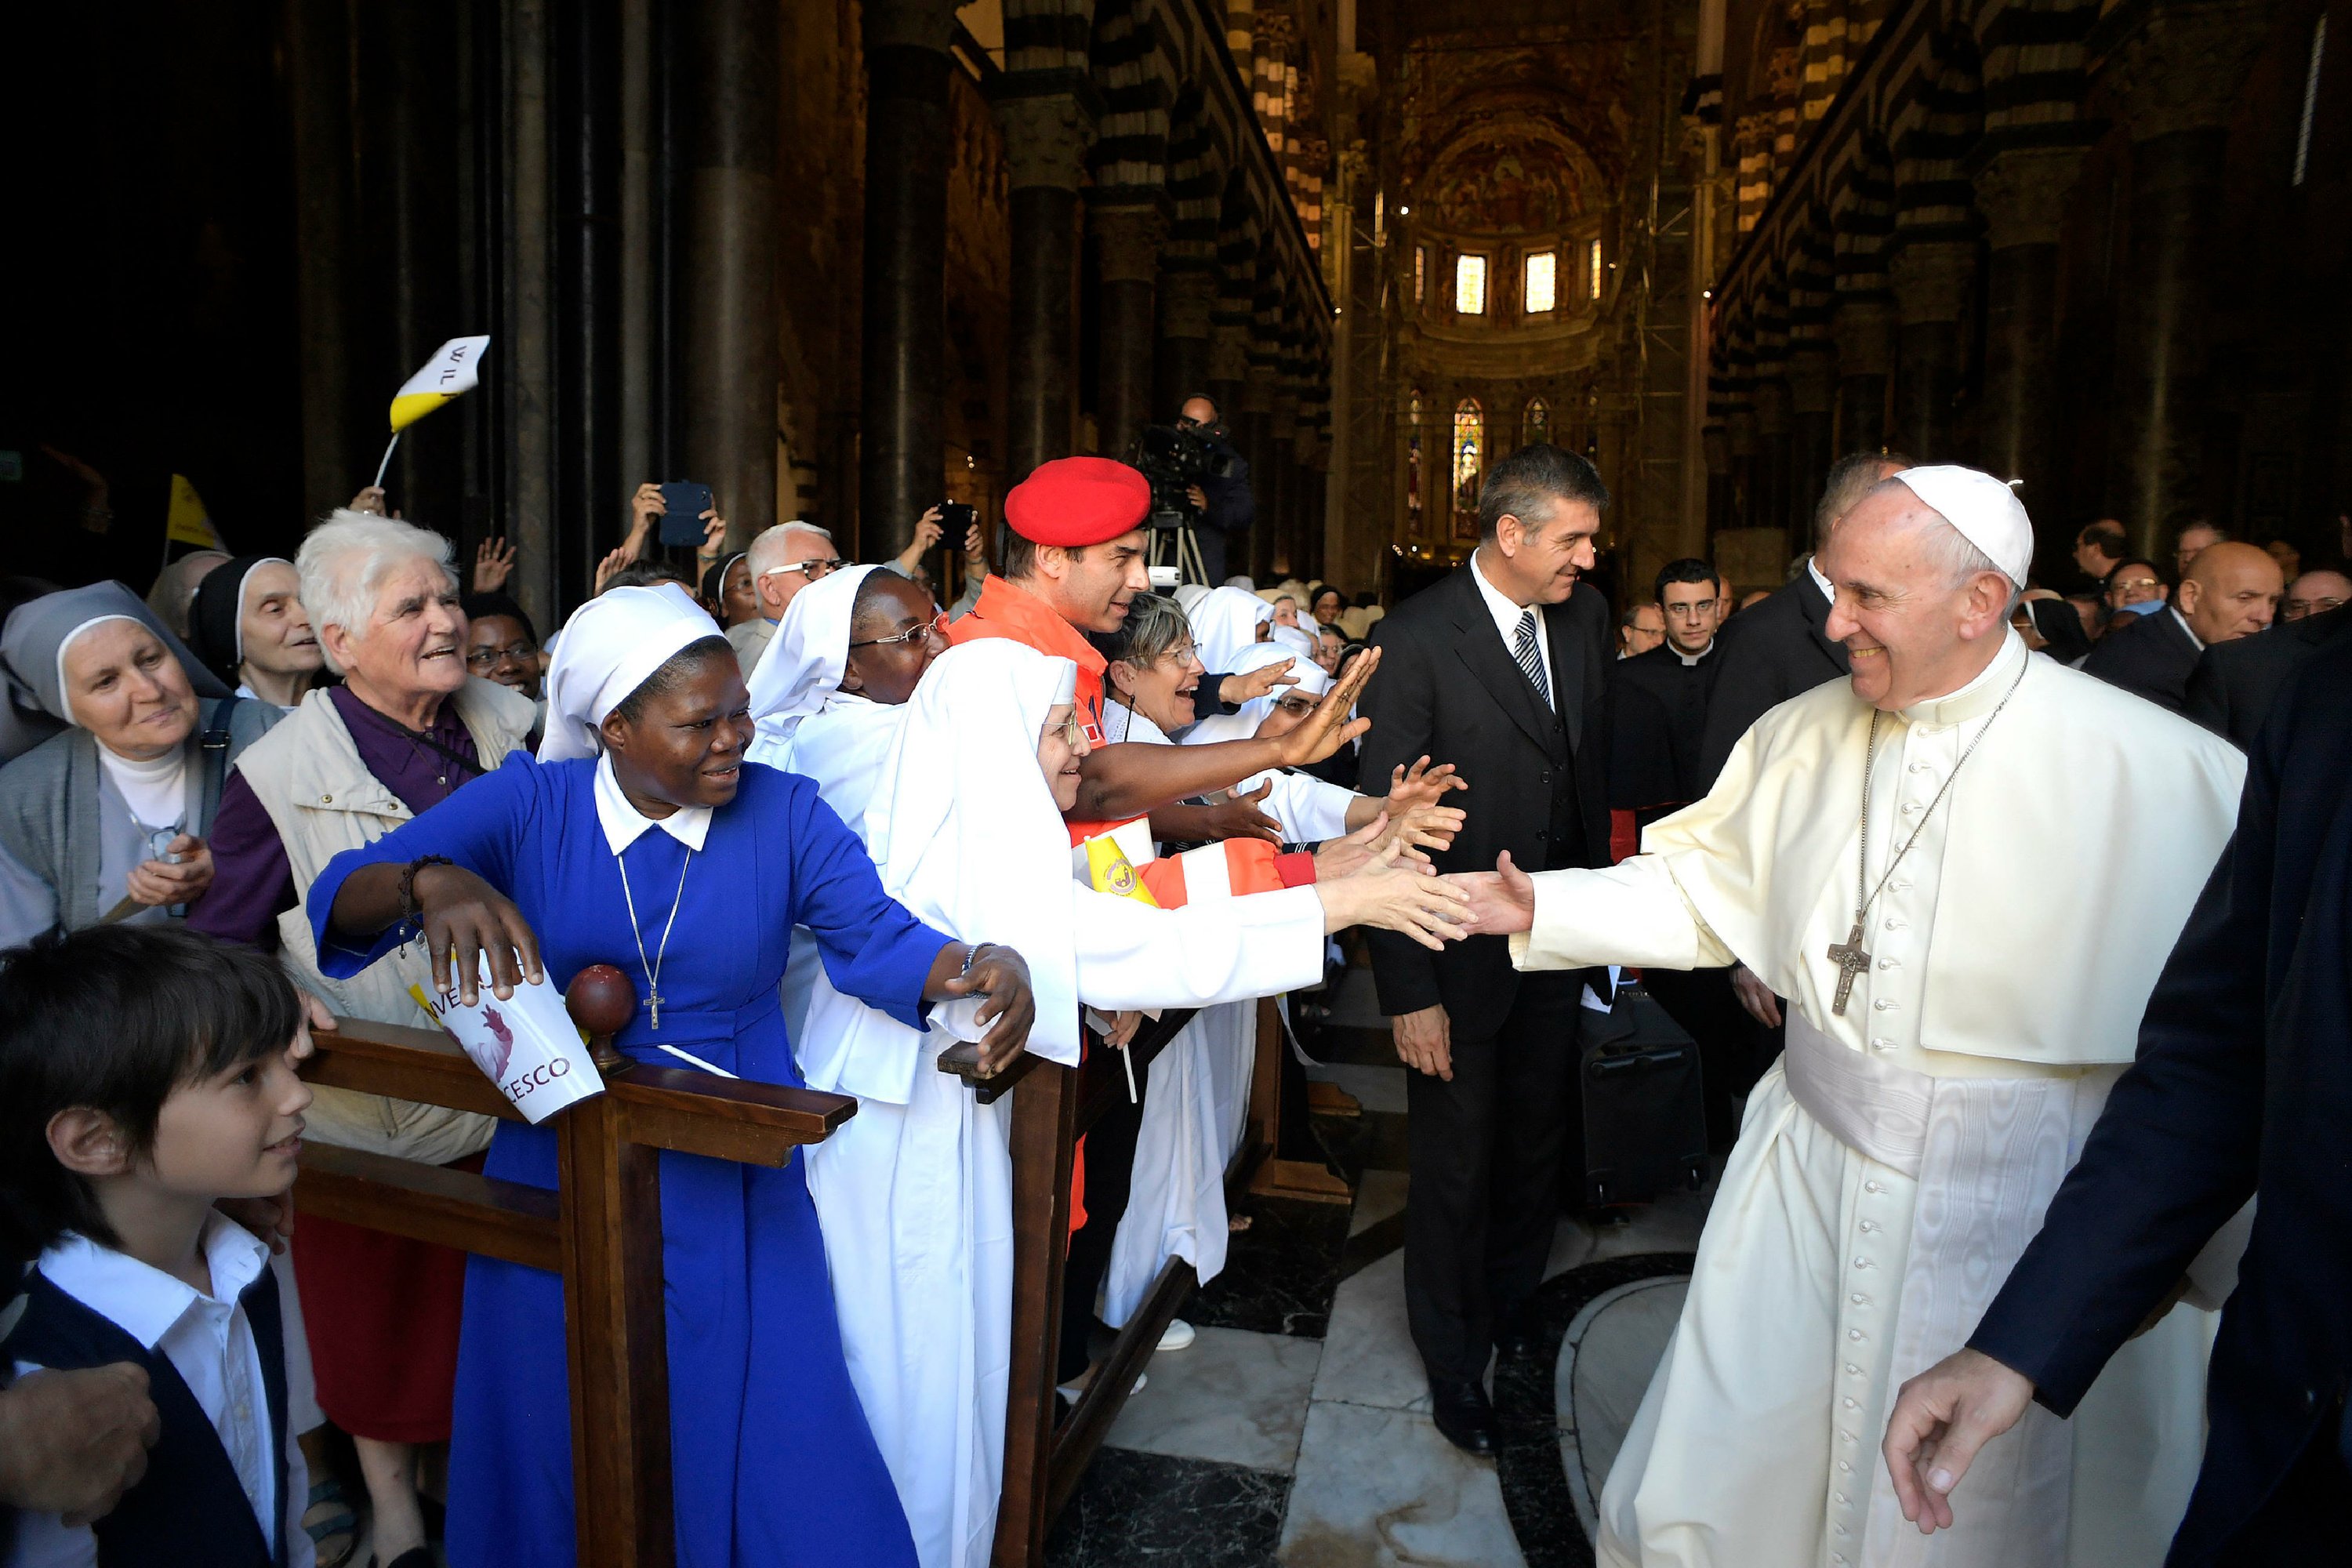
(1469, 465)
(1540, 291)
(1470, 285)
(1413, 463)
(1535, 422)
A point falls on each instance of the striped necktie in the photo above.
(1530, 656)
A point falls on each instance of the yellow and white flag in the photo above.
(453, 369)
(187, 522)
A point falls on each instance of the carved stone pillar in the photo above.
(1864, 333)
(1228, 368)
(1769, 507)
(1046, 135)
(1813, 401)
(1931, 289)
(2172, 72)
(2022, 193)
(727, 261)
(1255, 430)
(1179, 366)
(1126, 260)
(903, 426)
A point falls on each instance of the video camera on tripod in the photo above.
(1175, 458)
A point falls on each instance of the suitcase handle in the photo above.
(1653, 1060)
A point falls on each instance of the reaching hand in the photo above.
(1003, 976)
(370, 500)
(643, 507)
(1329, 728)
(1756, 997)
(1425, 827)
(72, 1443)
(1420, 785)
(1336, 857)
(1235, 690)
(1941, 1418)
(494, 563)
(1502, 901)
(466, 918)
(1238, 816)
(610, 567)
(1386, 892)
(1424, 1041)
(159, 882)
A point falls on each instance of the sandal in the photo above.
(334, 1529)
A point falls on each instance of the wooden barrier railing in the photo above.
(600, 1229)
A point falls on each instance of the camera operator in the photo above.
(1224, 498)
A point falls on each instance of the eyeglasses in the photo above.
(1300, 704)
(2137, 584)
(813, 570)
(1182, 653)
(1693, 610)
(1073, 730)
(490, 658)
(936, 626)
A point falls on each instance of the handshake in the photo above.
(1499, 902)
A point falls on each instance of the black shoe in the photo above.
(1463, 1413)
(1522, 1333)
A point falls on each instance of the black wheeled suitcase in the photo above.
(1644, 1102)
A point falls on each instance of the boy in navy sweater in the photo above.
(147, 1073)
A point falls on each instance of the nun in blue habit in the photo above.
(641, 838)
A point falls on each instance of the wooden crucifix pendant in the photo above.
(1851, 960)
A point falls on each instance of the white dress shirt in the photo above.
(623, 824)
(1828, 588)
(209, 1342)
(2197, 641)
(1507, 621)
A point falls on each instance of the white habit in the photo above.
(1893, 1165)
(914, 1193)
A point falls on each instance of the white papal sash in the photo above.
(1987, 1154)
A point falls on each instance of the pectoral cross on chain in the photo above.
(654, 1002)
(1851, 960)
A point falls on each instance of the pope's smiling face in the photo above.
(1914, 628)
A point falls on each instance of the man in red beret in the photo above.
(1074, 561)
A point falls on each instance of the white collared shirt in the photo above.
(623, 824)
(2175, 611)
(1828, 588)
(210, 1344)
(1507, 621)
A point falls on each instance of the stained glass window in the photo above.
(1469, 464)
(1535, 422)
(1543, 274)
(1592, 270)
(1470, 285)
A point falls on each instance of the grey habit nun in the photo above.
(69, 837)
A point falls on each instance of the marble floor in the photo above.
(1296, 1430)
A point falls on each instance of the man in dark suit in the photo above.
(2232, 591)
(1771, 651)
(1496, 670)
(2234, 683)
(2244, 1088)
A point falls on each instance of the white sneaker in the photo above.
(1177, 1336)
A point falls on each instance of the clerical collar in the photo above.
(1690, 660)
(1829, 589)
(1980, 696)
(623, 824)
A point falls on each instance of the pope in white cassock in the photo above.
(1963, 867)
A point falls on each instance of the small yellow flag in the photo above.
(1111, 871)
(187, 522)
(452, 371)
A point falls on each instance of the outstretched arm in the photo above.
(1629, 913)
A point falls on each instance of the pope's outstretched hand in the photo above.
(1941, 1418)
(1502, 900)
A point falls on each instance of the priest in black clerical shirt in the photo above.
(1657, 704)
